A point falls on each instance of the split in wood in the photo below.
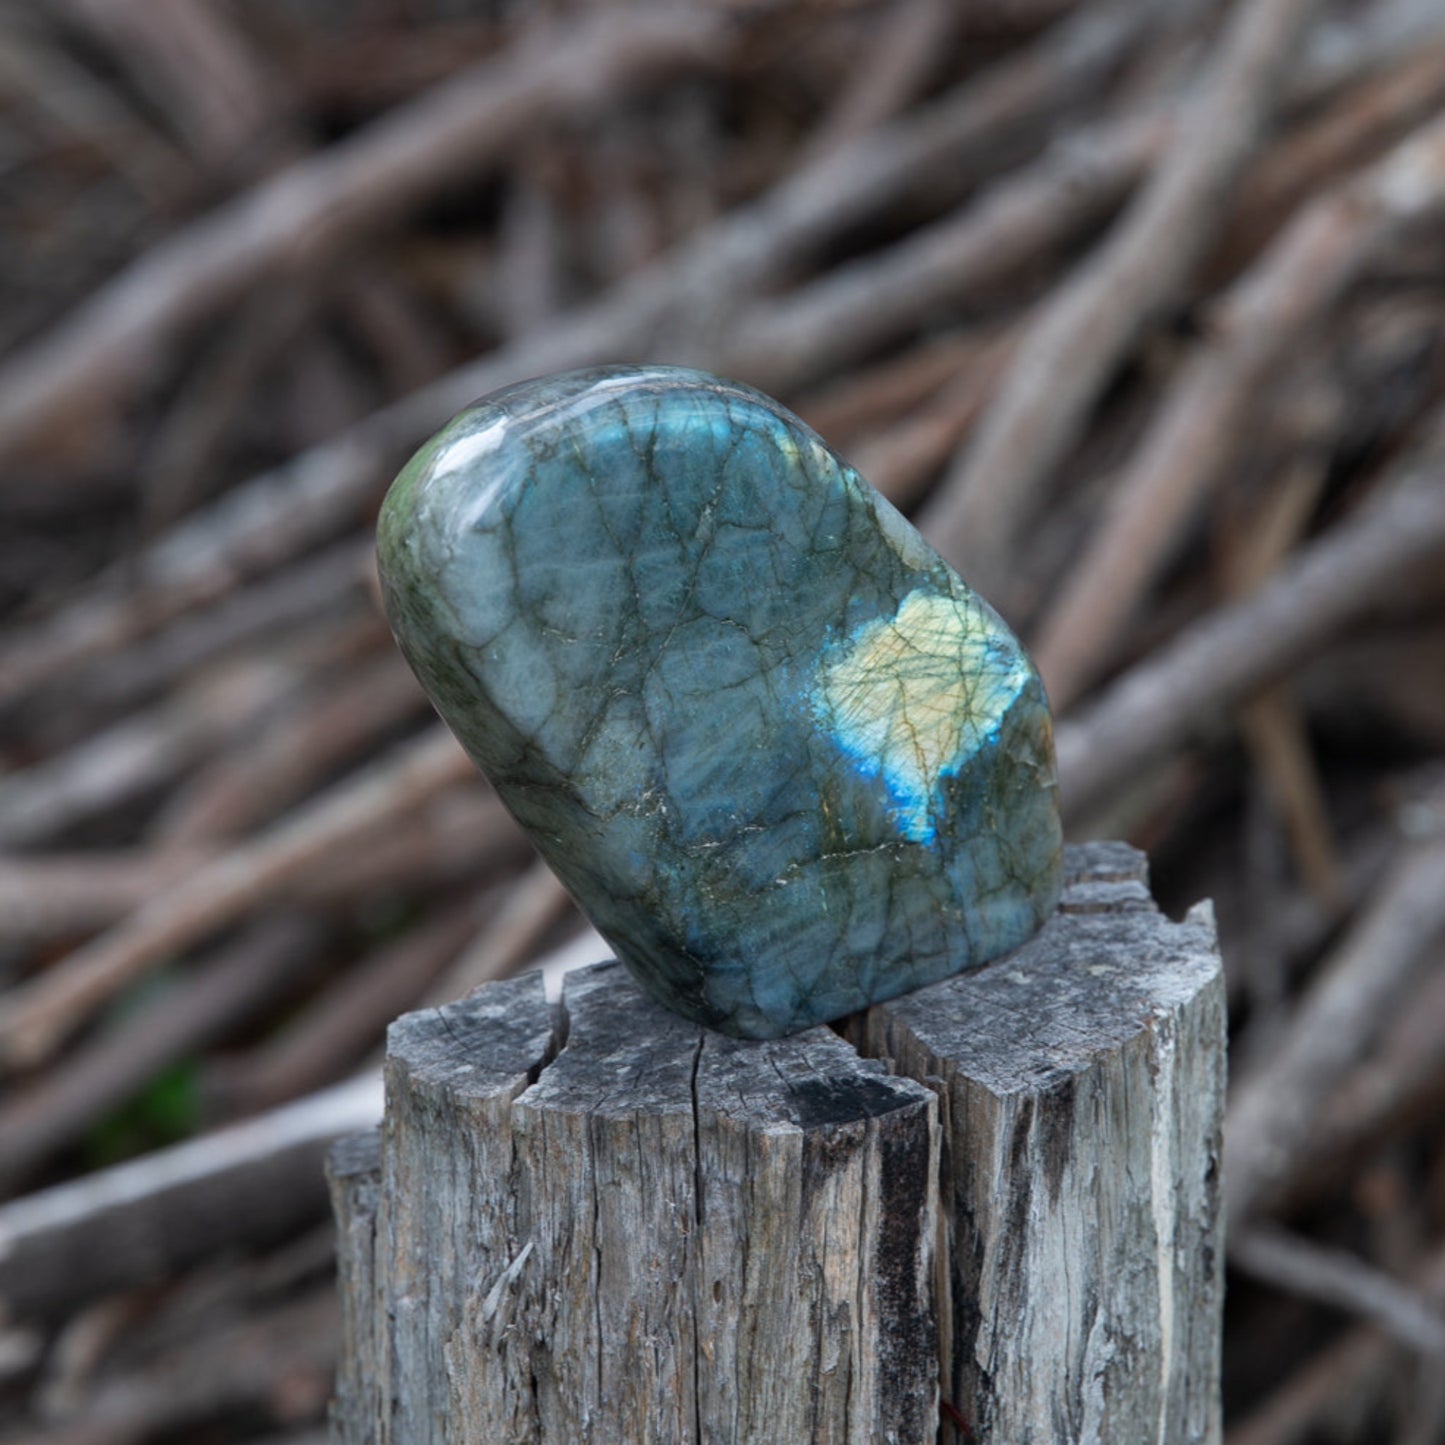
(615, 1225)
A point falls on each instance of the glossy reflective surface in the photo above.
(782, 756)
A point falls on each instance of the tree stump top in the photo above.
(1107, 965)
(597, 1221)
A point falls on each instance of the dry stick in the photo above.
(248, 784)
(1271, 1115)
(192, 64)
(1335, 1277)
(262, 1362)
(535, 903)
(315, 588)
(1272, 724)
(404, 343)
(468, 834)
(1091, 321)
(465, 834)
(276, 516)
(974, 132)
(1350, 134)
(529, 274)
(1342, 52)
(303, 215)
(1343, 1379)
(901, 461)
(1299, 928)
(138, 754)
(213, 397)
(870, 398)
(227, 991)
(889, 75)
(1263, 318)
(67, 895)
(80, 1350)
(336, 1029)
(858, 307)
(1174, 695)
(378, 64)
(1421, 1410)
(1274, 730)
(1349, 1370)
(37, 1016)
(1401, 1086)
(152, 1217)
(34, 70)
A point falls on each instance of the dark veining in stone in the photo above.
(783, 757)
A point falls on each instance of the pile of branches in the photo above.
(1135, 308)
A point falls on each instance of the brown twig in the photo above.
(303, 215)
(1335, 1277)
(1342, 1382)
(193, 65)
(251, 1364)
(853, 310)
(877, 396)
(532, 909)
(276, 516)
(889, 76)
(1346, 1373)
(1275, 733)
(464, 835)
(901, 462)
(1401, 1086)
(1090, 322)
(73, 102)
(222, 995)
(67, 895)
(1361, 123)
(148, 1219)
(212, 400)
(248, 784)
(1264, 316)
(339, 1026)
(1175, 693)
(406, 348)
(1347, 48)
(1271, 1114)
(1271, 722)
(137, 754)
(313, 591)
(40, 1014)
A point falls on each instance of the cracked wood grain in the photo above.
(603, 1223)
(1082, 1085)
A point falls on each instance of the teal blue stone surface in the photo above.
(785, 760)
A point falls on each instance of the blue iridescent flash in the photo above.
(783, 757)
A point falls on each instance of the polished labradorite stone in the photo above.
(782, 756)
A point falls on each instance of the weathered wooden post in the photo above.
(792, 767)
(606, 1224)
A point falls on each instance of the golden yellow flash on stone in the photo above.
(915, 695)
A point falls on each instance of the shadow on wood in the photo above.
(602, 1223)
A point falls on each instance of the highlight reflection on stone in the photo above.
(784, 759)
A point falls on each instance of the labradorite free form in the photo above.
(784, 759)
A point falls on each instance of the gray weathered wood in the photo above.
(450, 1229)
(659, 1234)
(601, 1223)
(1082, 1087)
(353, 1172)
